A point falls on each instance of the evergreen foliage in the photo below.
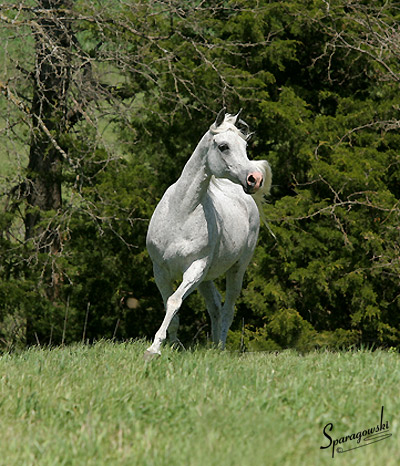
(323, 103)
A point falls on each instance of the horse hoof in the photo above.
(177, 345)
(149, 355)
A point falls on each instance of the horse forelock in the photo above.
(229, 124)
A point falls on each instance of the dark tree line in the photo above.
(103, 102)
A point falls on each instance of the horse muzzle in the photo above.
(254, 182)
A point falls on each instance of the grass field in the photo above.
(102, 405)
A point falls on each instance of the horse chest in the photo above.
(237, 232)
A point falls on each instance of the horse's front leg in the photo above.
(191, 279)
(213, 303)
(165, 286)
(234, 281)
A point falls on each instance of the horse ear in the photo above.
(220, 117)
(238, 118)
(242, 126)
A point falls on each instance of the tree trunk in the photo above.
(49, 104)
(51, 81)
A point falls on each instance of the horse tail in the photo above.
(259, 196)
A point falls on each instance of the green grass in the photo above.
(102, 405)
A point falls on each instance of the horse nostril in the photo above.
(251, 180)
(254, 181)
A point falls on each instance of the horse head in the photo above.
(227, 156)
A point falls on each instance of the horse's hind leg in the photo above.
(191, 278)
(213, 302)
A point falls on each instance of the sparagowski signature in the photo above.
(371, 435)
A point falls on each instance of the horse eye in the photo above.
(223, 147)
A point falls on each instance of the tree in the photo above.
(104, 102)
(88, 81)
(333, 129)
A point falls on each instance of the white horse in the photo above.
(207, 224)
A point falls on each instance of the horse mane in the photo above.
(259, 196)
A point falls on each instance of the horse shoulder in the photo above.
(176, 238)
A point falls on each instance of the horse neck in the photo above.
(194, 180)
